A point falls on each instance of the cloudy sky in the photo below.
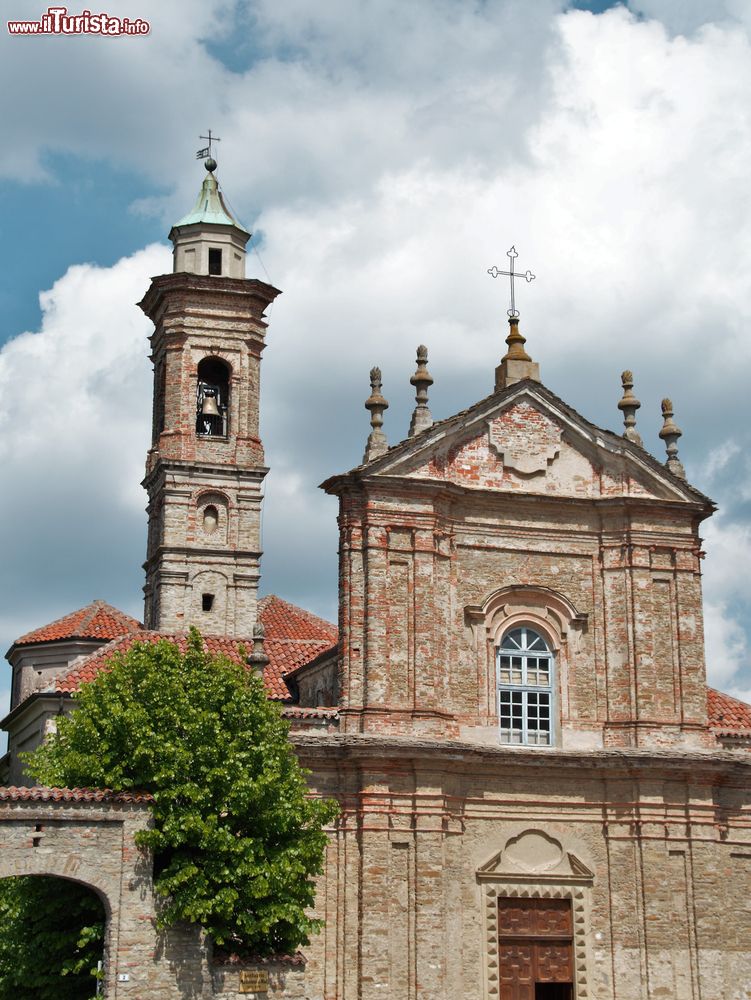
(385, 154)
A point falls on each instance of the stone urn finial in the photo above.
(670, 433)
(422, 381)
(629, 404)
(515, 364)
(258, 660)
(376, 404)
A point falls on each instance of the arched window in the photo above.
(212, 398)
(525, 688)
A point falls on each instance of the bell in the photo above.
(208, 406)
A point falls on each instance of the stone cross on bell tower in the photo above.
(205, 468)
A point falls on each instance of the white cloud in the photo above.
(74, 428)
(726, 646)
(112, 99)
(74, 395)
(726, 603)
(687, 16)
(726, 567)
(720, 458)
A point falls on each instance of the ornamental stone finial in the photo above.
(629, 404)
(515, 364)
(421, 380)
(670, 433)
(376, 404)
(258, 660)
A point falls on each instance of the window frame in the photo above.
(523, 689)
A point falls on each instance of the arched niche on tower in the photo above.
(213, 380)
(212, 518)
(547, 612)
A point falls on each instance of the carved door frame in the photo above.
(576, 893)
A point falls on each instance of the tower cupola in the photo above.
(209, 239)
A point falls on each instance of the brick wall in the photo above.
(653, 850)
(518, 502)
(198, 317)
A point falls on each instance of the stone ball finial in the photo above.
(629, 404)
(421, 380)
(210, 164)
(375, 404)
(670, 433)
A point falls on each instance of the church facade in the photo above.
(541, 799)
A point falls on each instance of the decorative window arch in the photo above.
(526, 687)
(560, 626)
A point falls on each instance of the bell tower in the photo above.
(205, 467)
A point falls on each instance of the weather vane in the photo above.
(203, 154)
(528, 276)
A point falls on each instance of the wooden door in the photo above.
(535, 949)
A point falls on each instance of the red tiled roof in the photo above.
(86, 670)
(727, 715)
(293, 637)
(283, 620)
(42, 794)
(97, 620)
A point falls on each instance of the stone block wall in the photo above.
(90, 837)
(653, 851)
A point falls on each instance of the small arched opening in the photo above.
(212, 398)
(52, 937)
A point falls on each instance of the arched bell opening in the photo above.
(212, 398)
(52, 937)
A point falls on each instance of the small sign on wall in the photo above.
(254, 981)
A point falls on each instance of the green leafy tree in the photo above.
(51, 939)
(237, 840)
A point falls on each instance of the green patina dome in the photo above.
(210, 207)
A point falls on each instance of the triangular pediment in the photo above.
(533, 855)
(525, 440)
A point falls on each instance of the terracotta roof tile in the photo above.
(97, 620)
(293, 637)
(42, 794)
(283, 620)
(727, 715)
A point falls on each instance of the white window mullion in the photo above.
(524, 645)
